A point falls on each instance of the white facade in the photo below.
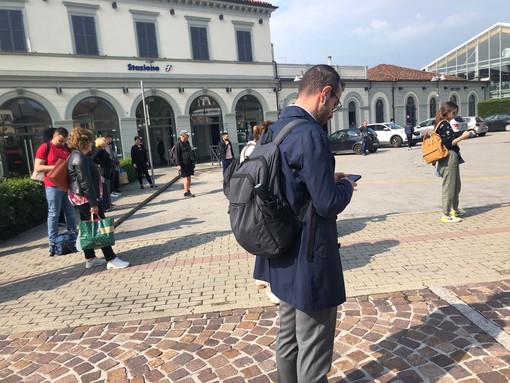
(206, 66)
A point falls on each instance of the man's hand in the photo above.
(134, 165)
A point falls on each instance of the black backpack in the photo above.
(262, 221)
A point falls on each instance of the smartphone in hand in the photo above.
(353, 177)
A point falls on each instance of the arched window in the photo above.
(161, 127)
(472, 105)
(248, 113)
(379, 111)
(433, 107)
(351, 108)
(410, 110)
(206, 125)
(24, 121)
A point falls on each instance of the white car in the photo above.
(478, 124)
(391, 134)
(425, 126)
(458, 124)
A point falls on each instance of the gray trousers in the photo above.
(304, 346)
(450, 172)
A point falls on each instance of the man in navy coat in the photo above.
(308, 280)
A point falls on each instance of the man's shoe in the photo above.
(260, 284)
(114, 195)
(117, 263)
(450, 219)
(93, 262)
(141, 187)
(153, 186)
(272, 298)
(189, 194)
(457, 213)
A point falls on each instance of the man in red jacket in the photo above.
(46, 157)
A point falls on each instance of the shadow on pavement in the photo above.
(445, 343)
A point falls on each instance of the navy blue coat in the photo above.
(308, 169)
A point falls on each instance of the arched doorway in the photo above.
(433, 108)
(98, 115)
(161, 127)
(206, 125)
(22, 122)
(248, 113)
(410, 110)
(379, 111)
(351, 109)
(472, 106)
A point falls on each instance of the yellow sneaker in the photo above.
(450, 219)
(457, 213)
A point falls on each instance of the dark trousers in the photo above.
(85, 216)
(225, 162)
(142, 170)
(115, 181)
(409, 140)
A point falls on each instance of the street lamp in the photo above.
(436, 79)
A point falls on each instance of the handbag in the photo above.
(37, 176)
(58, 175)
(96, 234)
(432, 147)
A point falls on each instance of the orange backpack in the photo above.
(432, 147)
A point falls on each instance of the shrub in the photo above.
(23, 206)
(125, 164)
(494, 106)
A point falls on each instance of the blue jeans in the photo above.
(57, 200)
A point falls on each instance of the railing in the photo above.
(215, 154)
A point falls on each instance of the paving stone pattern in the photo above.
(186, 310)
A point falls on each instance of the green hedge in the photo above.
(494, 106)
(22, 206)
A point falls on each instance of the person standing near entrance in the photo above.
(226, 151)
(46, 157)
(140, 162)
(161, 152)
(363, 131)
(408, 130)
(185, 161)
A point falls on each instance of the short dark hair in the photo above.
(61, 131)
(108, 136)
(317, 77)
(137, 138)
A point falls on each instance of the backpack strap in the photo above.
(437, 126)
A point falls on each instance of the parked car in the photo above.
(425, 126)
(458, 124)
(498, 122)
(478, 124)
(392, 134)
(349, 141)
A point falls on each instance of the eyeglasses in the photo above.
(338, 105)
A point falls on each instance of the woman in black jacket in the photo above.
(448, 167)
(85, 192)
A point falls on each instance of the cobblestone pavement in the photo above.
(427, 302)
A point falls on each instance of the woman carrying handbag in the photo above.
(85, 192)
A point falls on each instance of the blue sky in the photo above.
(408, 33)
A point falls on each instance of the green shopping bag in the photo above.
(96, 234)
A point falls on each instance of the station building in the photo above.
(205, 66)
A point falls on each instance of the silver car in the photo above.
(425, 126)
(478, 124)
(458, 124)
